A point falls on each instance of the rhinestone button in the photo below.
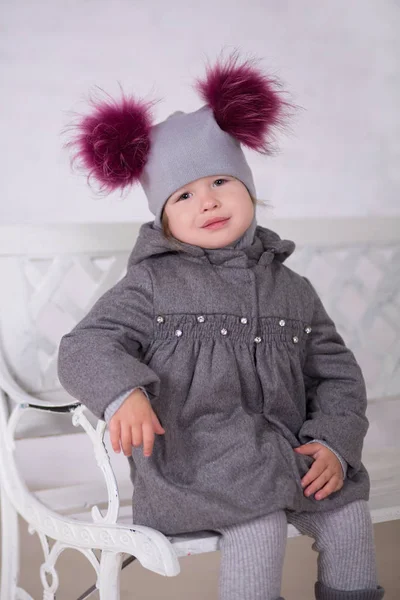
(243, 320)
(257, 340)
(200, 319)
(224, 331)
(178, 333)
(295, 339)
(282, 322)
(308, 330)
(160, 319)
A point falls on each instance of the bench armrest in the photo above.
(96, 435)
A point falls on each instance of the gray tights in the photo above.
(252, 555)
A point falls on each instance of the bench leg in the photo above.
(9, 549)
(110, 575)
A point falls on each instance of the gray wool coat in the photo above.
(241, 364)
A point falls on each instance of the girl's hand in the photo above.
(325, 474)
(135, 423)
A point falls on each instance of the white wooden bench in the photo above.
(50, 276)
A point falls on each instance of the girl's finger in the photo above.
(115, 433)
(308, 449)
(157, 427)
(316, 469)
(317, 484)
(136, 435)
(333, 485)
(148, 438)
(126, 440)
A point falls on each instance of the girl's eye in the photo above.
(219, 182)
(184, 196)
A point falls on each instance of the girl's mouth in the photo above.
(216, 223)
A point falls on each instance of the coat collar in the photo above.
(261, 248)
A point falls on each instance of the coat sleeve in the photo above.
(100, 359)
(335, 388)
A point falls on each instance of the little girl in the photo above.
(217, 358)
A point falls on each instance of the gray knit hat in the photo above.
(186, 147)
(119, 145)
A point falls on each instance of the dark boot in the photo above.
(322, 592)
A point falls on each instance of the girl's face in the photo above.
(211, 212)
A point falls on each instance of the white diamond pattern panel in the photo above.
(60, 291)
(360, 288)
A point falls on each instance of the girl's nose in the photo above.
(209, 202)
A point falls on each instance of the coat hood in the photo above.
(266, 247)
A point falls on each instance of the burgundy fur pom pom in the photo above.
(246, 103)
(112, 144)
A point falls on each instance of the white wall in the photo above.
(338, 58)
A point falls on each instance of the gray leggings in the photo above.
(252, 555)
